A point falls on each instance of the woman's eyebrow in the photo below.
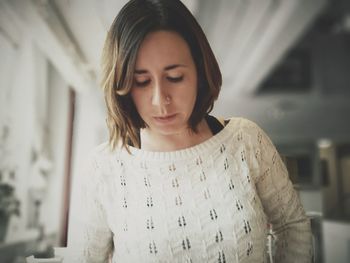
(170, 67)
(174, 66)
(140, 71)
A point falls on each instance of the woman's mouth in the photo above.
(165, 118)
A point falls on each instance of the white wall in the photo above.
(20, 111)
(89, 131)
(34, 105)
(57, 113)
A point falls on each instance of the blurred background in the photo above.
(285, 65)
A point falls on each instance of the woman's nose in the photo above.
(159, 96)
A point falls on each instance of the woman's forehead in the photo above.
(164, 48)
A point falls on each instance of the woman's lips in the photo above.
(165, 119)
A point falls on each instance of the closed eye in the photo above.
(175, 79)
(142, 83)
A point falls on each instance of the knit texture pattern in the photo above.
(207, 203)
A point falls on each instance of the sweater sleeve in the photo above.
(281, 202)
(92, 241)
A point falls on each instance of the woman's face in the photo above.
(165, 83)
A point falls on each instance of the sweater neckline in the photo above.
(190, 152)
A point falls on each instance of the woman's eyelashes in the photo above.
(144, 83)
(175, 79)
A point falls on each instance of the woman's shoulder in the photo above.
(105, 149)
(101, 149)
(103, 153)
(246, 130)
(249, 131)
(243, 124)
(101, 161)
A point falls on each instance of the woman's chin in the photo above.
(170, 129)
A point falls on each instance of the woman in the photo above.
(174, 184)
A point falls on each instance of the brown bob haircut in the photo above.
(134, 21)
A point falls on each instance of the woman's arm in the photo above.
(92, 240)
(281, 202)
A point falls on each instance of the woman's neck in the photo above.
(151, 141)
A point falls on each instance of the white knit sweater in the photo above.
(207, 203)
